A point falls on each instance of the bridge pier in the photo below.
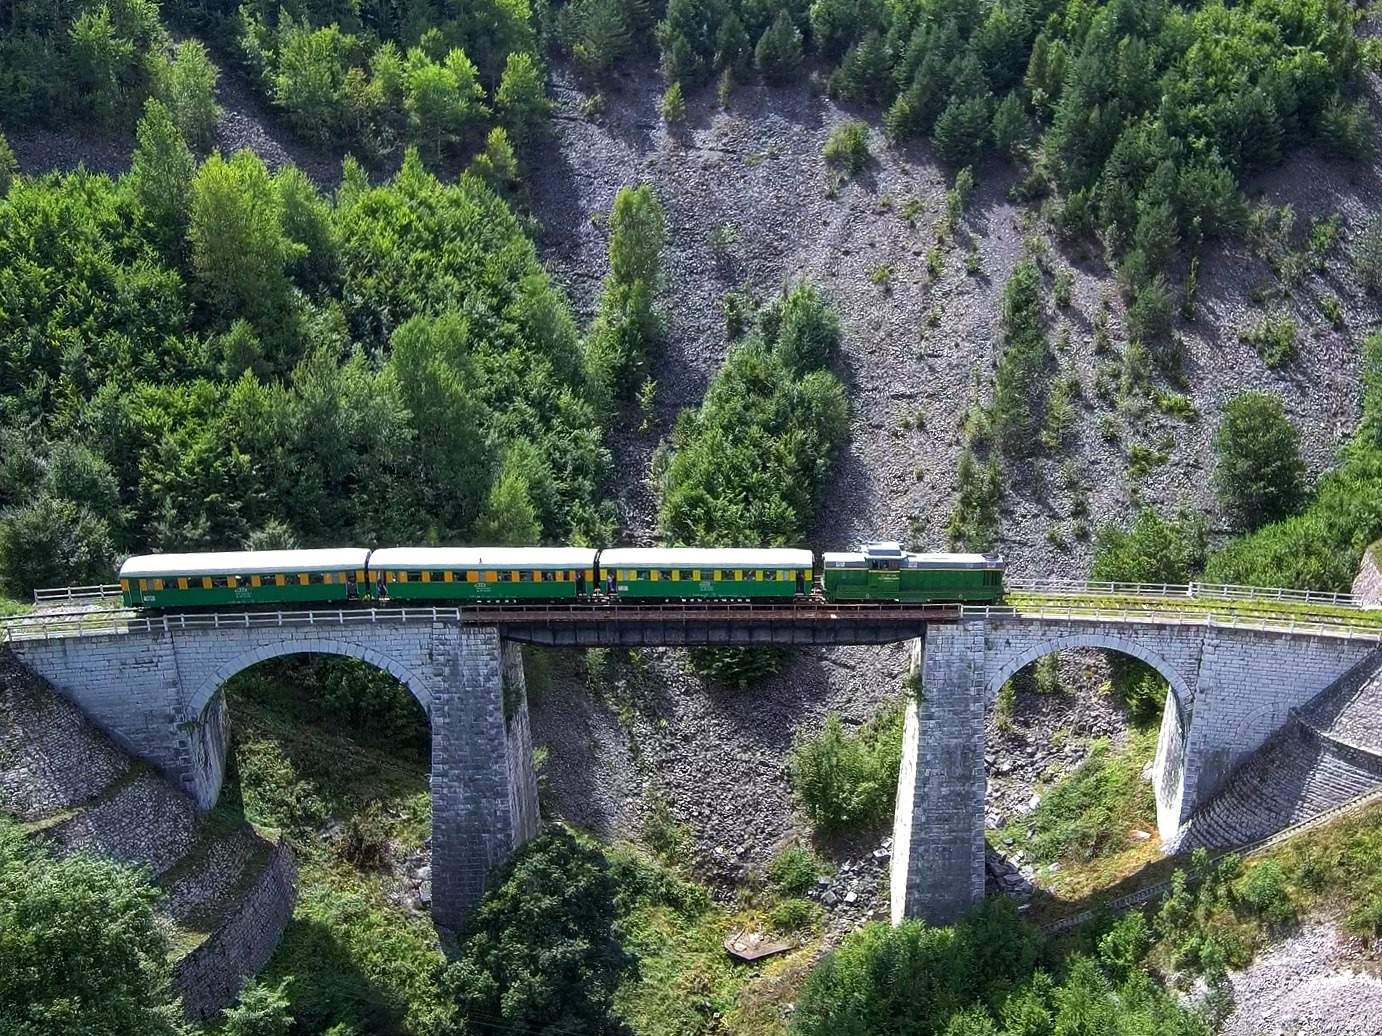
(938, 823)
(158, 695)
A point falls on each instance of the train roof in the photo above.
(244, 562)
(483, 557)
(705, 557)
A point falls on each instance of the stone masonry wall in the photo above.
(523, 804)
(213, 973)
(938, 835)
(1367, 586)
(1232, 688)
(158, 695)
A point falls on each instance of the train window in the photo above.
(750, 575)
(219, 582)
(314, 578)
(242, 580)
(643, 573)
(412, 576)
(525, 577)
(687, 574)
(666, 573)
(506, 577)
(438, 577)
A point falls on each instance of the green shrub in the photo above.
(847, 147)
(849, 781)
(974, 521)
(1367, 256)
(521, 100)
(261, 1010)
(673, 105)
(543, 943)
(1152, 549)
(1020, 384)
(795, 869)
(1263, 891)
(1274, 338)
(80, 947)
(1258, 472)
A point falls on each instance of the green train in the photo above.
(462, 575)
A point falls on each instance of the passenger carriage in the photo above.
(244, 578)
(481, 573)
(678, 573)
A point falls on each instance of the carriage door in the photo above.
(801, 582)
(580, 582)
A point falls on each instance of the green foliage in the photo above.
(1020, 385)
(1152, 549)
(974, 521)
(1367, 256)
(598, 33)
(847, 781)
(1088, 815)
(79, 60)
(497, 164)
(847, 147)
(1124, 946)
(240, 252)
(50, 541)
(1263, 891)
(80, 947)
(749, 467)
(914, 979)
(1370, 429)
(9, 166)
(262, 1010)
(627, 327)
(778, 53)
(673, 105)
(1274, 337)
(521, 100)
(1347, 130)
(795, 869)
(1258, 473)
(542, 949)
(186, 84)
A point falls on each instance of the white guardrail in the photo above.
(43, 625)
(1202, 591)
(76, 593)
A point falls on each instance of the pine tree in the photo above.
(778, 54)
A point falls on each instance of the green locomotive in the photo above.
(464, 575)
(885, 572)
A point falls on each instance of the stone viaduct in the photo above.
(1232, 687)
(155, 686)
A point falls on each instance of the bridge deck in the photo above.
(808, 620)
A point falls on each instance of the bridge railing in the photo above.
(1193, 591)
(44, 625)
(1091, 611)
(49, 594)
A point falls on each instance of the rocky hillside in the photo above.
(228, 889)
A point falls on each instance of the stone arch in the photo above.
(1014, 663)
(203, 694)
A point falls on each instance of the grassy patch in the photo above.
(12, 607)
(1084, 823)
(686, 984)
(1282, 611)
